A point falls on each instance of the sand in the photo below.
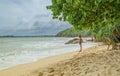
(94, 61)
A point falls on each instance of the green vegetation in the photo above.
(71, 32)
(102, 17)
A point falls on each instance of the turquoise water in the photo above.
(20, 50)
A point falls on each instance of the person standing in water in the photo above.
(80, 42)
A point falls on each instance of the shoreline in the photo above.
(24, 57)
(10, 70)
(88, 57)
(41, 63)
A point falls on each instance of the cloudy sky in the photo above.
(28, 17)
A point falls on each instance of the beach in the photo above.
(93, 61)
(60, 38)
(21, 50)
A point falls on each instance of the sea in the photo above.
(21, 50)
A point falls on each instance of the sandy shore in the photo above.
(94, 61)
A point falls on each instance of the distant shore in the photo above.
(94, 61)
(28, 36)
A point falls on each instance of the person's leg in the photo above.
(80, 47)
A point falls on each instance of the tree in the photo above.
(102, 16)
(85, 13)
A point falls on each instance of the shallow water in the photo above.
(21, 50)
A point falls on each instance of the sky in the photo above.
(28, 18)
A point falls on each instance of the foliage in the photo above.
(71, 32)
(84, 13)
(101, 16)
(112, 32)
